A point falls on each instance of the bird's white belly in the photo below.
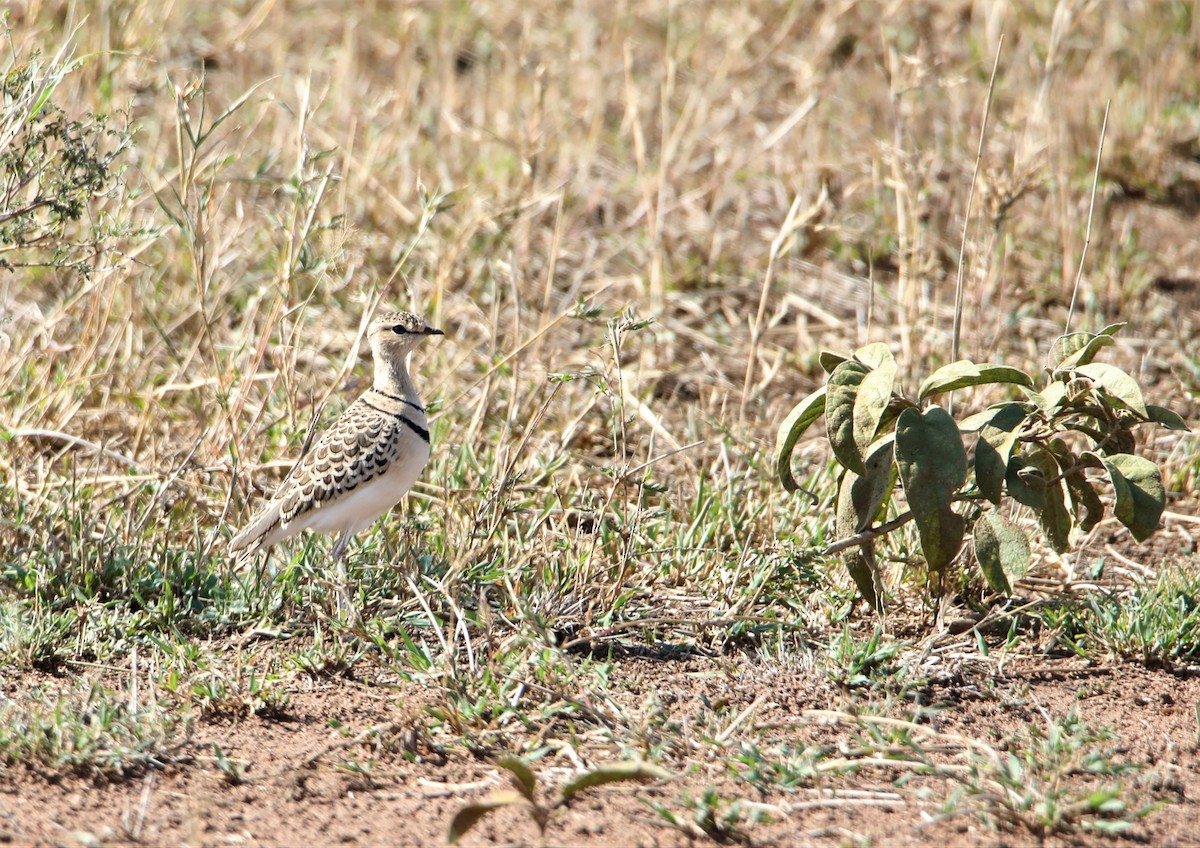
(355, 510)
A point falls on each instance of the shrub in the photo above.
(52, 169)
(1048, 451)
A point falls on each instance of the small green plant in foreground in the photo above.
(90, 730)
(1027, 785)
(525, 782)
(712, 816)
(1156, 623)
(1037, 451)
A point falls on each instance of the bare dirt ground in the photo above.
(295, 778)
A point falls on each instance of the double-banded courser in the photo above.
(365, 461)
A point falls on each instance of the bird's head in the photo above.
(396, 333)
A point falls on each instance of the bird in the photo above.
(364, 462)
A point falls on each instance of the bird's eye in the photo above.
(399, 329)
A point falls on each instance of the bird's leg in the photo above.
(340, 548)
(345, 607)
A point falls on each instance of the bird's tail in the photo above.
(257, 534)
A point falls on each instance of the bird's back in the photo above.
(359, 468)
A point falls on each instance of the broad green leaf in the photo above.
(1085, 503)
(933, 466)
(860, 563)
(1116, 383)
(1123, 496)
(799, 419)
(1055, 519)
(871, 401)
(976, 422)
(887, 423)
(1002, 551)
(994, 448)
(1167, 418)
(469, 815)
(1075, 349)
(522, 775)
(1025, 482)
(1053, 396)
(1091, 432)
(1140, 496)
(964, 372)
(870, 492)
(854, 514)
(842, 391)
(1066, 346)
(874, 355)
(614, 773)
(846, 520)
(1031, 481)
(1050, 398)
(830, 360)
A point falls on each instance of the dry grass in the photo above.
(585, 197)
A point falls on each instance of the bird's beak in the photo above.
(430, 331)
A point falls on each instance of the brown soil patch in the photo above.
(297, 785)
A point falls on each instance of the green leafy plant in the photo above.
(860, 663)
(233, 771)
(1025, 785)
(88, 729)
(1047, 451)
(53, 167)
(525, 783)
(712, 817)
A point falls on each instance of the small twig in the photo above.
(785, 230)
(741, 718)
(614, 631)
(867, 535)
(1136, 566)
(962, 250)
(75, 441)
(661, 456)
(340, 745)
(1087, 238)
(1062, 673)
(430, 789)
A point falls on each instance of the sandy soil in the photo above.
(296, 786)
